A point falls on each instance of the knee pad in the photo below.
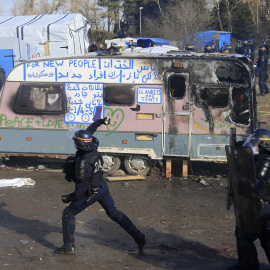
(66, 213)
(116, 216)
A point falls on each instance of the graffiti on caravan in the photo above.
(84, 102)
(95, 70)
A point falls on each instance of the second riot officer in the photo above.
(262, 64)
(249, 179)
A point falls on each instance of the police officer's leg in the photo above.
(261, 82)
(247, 253)
(107, 203)
(68, 227)
(265, 242)
(265, 235)
(267, 91)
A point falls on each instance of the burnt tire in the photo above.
(137, 165)
(111, 164)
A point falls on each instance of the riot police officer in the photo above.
(84, 169)
(262, 63)
(246, 250)
(189, 47)
(240, 47)
(210, 47)
(207, 48)
(250, 50)
(225, 48)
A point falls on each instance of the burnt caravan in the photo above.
(162, 105)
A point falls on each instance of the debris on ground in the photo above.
(17, 182)
(200, 181)
(125, 178)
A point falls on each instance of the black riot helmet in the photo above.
(261, 137)
(85, 141)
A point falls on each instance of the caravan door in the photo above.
(176, 120)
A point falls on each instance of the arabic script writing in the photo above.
(84, 102)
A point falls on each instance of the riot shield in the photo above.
(243, 184)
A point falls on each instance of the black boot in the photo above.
(237, 266)
(130, 228)
(138, 237)
(140, 240)
(68, 249)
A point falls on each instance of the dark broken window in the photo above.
(240, 106)
(177, 86)
(38, 98)
(214, 97)
(119, 95)
(231, 73)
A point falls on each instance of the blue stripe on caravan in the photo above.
(24, 72)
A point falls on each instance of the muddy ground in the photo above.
(185, 221)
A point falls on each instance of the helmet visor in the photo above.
(251, 141)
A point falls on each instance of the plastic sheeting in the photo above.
(17, 182)
(39, 29)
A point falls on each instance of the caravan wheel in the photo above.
(111, 164)
(137, 165)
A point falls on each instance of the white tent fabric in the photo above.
(38, 29)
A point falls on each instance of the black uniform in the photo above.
(112, 48)
(93, 47)
(225, 48)
(262, 68)
(85, 170)
(249, 50)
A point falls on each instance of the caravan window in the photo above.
(177, 86)
(119, 95)
(40, 99)
(214, 97)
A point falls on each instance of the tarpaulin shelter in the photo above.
(218, 37)
(148, 42)
(57, 34)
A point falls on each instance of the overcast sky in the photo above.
(6, 5)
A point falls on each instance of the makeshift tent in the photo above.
(218, 37)
(148, 42)
(51, 34)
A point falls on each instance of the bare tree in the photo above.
(183, 21)
(31, 7)
(23, 7)
(230, 7)
(46, 7)
(93, 12)
(217, 6)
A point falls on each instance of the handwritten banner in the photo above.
(84, 102)
(95, 70)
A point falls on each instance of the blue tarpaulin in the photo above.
(219, 37)
(148, 42)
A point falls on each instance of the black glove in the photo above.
(65, 198)
(105, 121)
(69, 169)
